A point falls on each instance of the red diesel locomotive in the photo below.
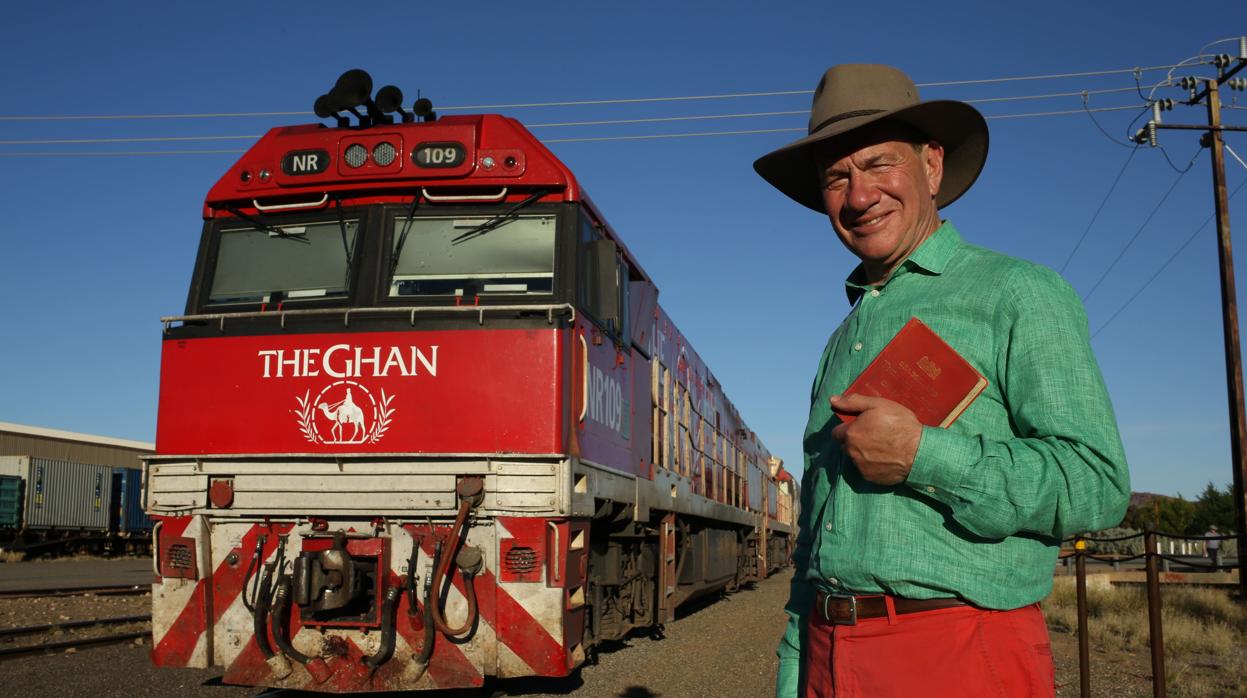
(425, 422)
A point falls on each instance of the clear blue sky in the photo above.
(96, 248)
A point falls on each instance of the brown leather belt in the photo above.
(847, 610)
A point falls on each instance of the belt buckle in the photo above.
(852, 620)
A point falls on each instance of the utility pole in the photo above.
(1212, 139)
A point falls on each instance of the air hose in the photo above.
(388, 609)
(426, 650)
(442, 573)
(281, 617)
(420, 663)
(252, 568)
(259, 614)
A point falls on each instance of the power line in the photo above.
(633, 100)
(100, 153)
(1139, 232)
(1173, 166)
(1096, 215)
(1164, 266)
(149, 139)
(587, 139)
(803, 112)
(1236, 157)
(575, 103)
(1226, 40)
(1046, 77)
(1197, 58)
(655, 136)
(611, 122)
(1101, 128)
(122, 117)
(1058, 113)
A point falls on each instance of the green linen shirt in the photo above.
(1033, 459)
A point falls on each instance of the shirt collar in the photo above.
(932, 257)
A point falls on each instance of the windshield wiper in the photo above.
(346, 247)
(498, 220)
(271, 229)
(402, 238)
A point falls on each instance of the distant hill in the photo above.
(1142, 498)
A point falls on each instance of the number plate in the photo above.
(305, 162)
(439, 155)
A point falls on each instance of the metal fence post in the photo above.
(1153, 614)
(1084, 639)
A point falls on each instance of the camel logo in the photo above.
(345, 412)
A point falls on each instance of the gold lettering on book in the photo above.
(928, 367)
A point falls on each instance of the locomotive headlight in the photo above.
(383, 153)
(355, 155)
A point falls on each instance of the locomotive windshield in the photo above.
(280, 264)
(462, 256)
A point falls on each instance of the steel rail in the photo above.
(65, 625)
(66, 644)
(119, 589)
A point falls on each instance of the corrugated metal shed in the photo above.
(63, 495)
(18, 439)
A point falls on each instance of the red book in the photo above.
(920, 371)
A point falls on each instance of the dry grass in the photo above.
(1204, 632)
(11, 556)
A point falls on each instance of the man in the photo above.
(1213, 545)
(923, 552)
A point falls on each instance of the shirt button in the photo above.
(874, 293)
(833, 581)
(930, 489)
(857, 347)
(827, 526)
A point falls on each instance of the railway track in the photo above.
(113, 590)
(7, 633)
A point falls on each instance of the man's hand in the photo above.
(882, 441)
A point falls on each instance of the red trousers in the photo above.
(961, 651)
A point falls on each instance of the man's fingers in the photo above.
(838, 432)
(855, 403)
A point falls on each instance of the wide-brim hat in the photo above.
(853, 95)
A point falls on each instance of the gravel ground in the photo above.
(74, 572)
(16, 613)
(719, 649)
(723, 649)
(716, 649)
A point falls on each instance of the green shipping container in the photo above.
(10, 501)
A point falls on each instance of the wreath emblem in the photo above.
(345, 416)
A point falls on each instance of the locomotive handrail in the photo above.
(550, 309)
(463, 197)
(287, 207)
(554, 553)
(156, 547)
(584, 377)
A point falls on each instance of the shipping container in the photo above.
(10, 501)
(62, 495)
(128, 493)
